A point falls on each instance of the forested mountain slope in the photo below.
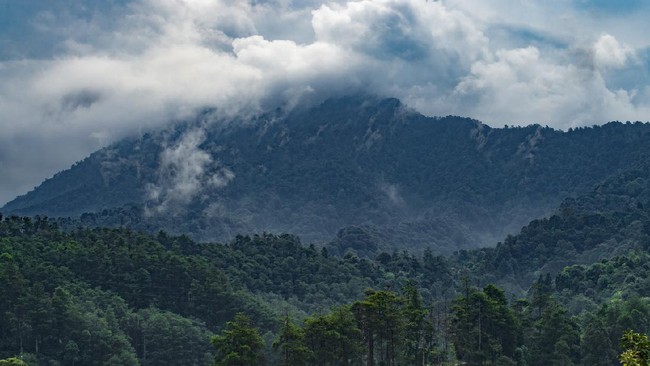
(612, 219)
(415, 182)
(102, 296)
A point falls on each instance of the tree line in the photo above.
(102, 296)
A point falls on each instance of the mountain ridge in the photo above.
(349, 161)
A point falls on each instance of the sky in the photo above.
(77, 75)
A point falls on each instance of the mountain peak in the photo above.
(445, 182)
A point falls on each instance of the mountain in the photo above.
(358, 169)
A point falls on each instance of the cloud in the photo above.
(185, 172)
(522, 85)
(74, 78)
(609, 53)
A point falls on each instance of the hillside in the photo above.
(612, 219)
(97, 296)
(413, 181)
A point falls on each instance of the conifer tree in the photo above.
(290, 342)
(240, 344)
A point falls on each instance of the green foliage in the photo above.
(418, 328)
(159, 336)
(597, 347)
(484, 327)
(239, 344)
(636, 349)
(280, 264)
(333, 338)
(382, 326)
(291, 343)
(555, 338)
(622, 276)
(12, 362)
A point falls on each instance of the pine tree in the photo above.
(290, 342)
(240, 344)
(417, 329)
(380, 320)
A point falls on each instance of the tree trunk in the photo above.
(371, 351)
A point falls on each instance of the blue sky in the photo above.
(76, 75)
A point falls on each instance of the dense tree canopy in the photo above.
(561, 292)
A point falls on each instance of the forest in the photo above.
(408, 274)
(113, 296)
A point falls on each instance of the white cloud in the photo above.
(183, 174)
(521, 85)
(609, 53)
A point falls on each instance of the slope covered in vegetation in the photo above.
(574, 283)
(355, 162)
